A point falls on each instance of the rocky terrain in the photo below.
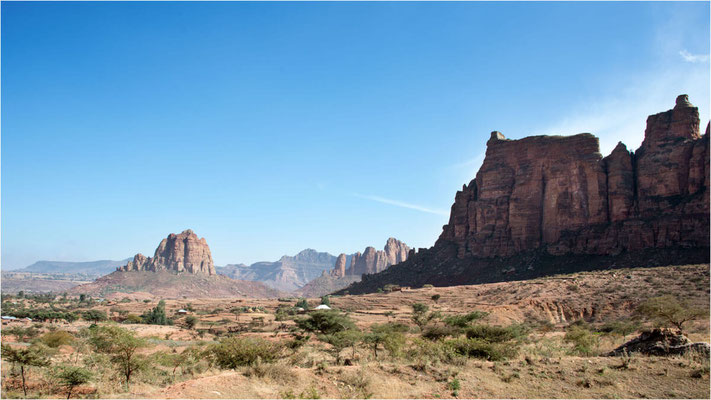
(547, 204)
(371, 261)
(287, 274)
(181, 267)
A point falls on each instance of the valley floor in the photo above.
(545, 366)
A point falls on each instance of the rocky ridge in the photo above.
(371, 261)
(552, 204)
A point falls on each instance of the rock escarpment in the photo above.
(558, 193)
(552, 204)
(183, 252)
(371, 261)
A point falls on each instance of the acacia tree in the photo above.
(71, 377)
(33, 356)
(668, 310)
(121, 345)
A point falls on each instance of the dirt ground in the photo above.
(544, 367)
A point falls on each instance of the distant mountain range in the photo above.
(92, 268)
(287, 274)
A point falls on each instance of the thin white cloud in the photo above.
(402, 204)
(621, 115)
(694, 58)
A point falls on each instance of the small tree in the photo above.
(33, 356)
(390, 336)
(302, 303)
(668, 310)
(191, 321)
(326, 322)
(436, 297)
(326, 300)
(420, 315)
(71, 377)
(341, 340)
(121, 345)
(157, 315)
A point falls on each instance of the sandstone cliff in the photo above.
(183, 252)
(552, 204)
(558, 193)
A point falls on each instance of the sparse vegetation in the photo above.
(379, 348)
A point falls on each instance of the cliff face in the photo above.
(372, 261)
(546, 205)
(559, 194)
(183, 252)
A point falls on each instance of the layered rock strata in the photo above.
(559, 194)
(183, 252)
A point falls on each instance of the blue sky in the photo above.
(273, 127)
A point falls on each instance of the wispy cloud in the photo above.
(693, 58)
(402, 204)
(620, 115)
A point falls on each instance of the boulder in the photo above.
(660, 342)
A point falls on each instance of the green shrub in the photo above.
(668, 311)
(584, 341)
(426, 351)
(496, 334)
(390, 336)
(326, 322)
(191, 321)
(132, 319)
(236, 351)
(94, 315)
(463, 321)
(479, 348)
(437, 332)
(56, 338)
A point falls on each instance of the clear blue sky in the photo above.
(273, 127)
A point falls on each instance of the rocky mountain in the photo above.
(183, 252)
(371, 261)
(550, 204)
(181, 266)
(287, 274)
(90, 268)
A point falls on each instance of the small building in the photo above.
(182, 312)
(322, 307)
(8, 318)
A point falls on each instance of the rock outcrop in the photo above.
(371, 261)
(660, 342)
(183, 252)
(559, 194)
(552, 204)
(339, 269)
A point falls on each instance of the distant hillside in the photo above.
(287, 274)
(171, 284)
(32, 282)
(326, 284)
(95, 268)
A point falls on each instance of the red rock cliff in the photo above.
(559, 194)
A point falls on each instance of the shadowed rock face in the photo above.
(183, 252)
(558, 193)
